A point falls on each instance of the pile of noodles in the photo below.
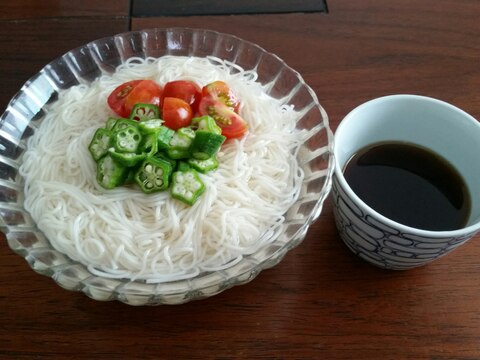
(124, 233)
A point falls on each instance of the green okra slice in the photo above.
(204, 166)
(164, 136)
(128, 159)
(100, 143)
(206, 123)
(180, 143)
(110, 173)
(186, 186)
(122, 123)
(206, 144)
(144, 111)
(183, 166)
(127, 139)
(153, 175)
(150, 126)
(111, 123)
(161, 155)
(149, 144)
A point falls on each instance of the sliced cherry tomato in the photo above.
(145, 92)
(116, 99)
(176, 113)
(232, 124)
(220, 91)
(186, 90)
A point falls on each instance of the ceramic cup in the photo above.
(439, 126)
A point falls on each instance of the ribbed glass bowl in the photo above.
(82, 66)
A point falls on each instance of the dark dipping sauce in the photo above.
(410, 185)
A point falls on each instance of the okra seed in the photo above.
(148, 168)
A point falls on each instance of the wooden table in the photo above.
(320, 302)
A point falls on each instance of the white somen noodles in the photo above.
(123, 233)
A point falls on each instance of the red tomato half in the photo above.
(188, 91)
(124, 97)
(176, 113)
(146, 92)
(232, 124)
(117, 97)
(220, 91)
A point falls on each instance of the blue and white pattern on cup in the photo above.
(382, 245)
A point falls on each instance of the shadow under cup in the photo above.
(436, 125)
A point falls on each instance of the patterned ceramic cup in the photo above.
(441, 127)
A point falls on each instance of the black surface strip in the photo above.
(149, 8)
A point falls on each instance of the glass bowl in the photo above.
(82, 66)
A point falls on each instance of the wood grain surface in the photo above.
(34, 9)
(320, 302)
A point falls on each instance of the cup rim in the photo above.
(389, 222)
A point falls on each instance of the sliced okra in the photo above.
(180, 143)
(164, 136)
(128, 159)
(144, 111)
(206, 144)
(186, 186)
(101, 142)
(204, 166)
(110, 173)
(153, 175)
(206, 123)
(127, 139)
(150, 126)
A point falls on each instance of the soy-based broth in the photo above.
(410, 185)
